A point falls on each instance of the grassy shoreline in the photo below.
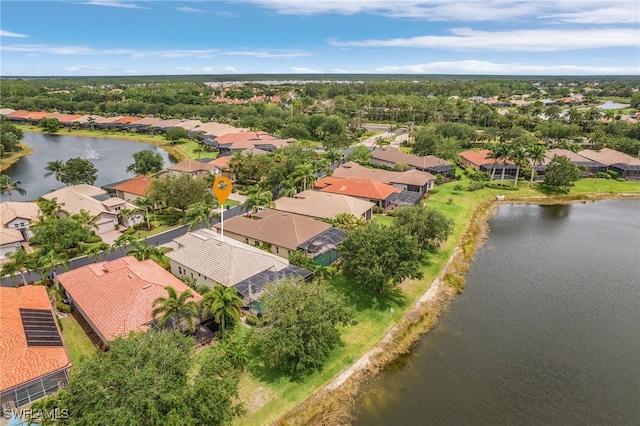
(333, 403)
(9, 160)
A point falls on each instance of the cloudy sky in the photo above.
(499, 37)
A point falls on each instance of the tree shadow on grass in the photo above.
(362, 298)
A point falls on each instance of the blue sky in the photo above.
(496, 37)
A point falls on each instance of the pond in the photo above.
(110, 156)
(546, 332)
(613, 105)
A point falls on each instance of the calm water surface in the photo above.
(110, 156)
(547, 331)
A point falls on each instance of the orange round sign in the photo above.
(222, 188)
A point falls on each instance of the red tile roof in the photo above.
(20, 363)
(480, 157)
(117, 297)
(137, 186)
(362, 188)
(221, 162)
(127, 120)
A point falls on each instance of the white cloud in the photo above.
(489, 68)
(114, 3)
(88, 51)
(85, 68)
(584, 11)
(264, 54)
(509, 41)
(304, 70)
(229, 69)
(191, 10)
(4, 33)
(340, 71)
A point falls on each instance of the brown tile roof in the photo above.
(275, 227)
(127, 120)
(480, 157)
(190, 165)
(9, 210)
(217, 129)
(243, 136)
(20, 363)
(118, 296)
(410, 177)
(221, 162)
(395, 156)
(76, 197)
(572, 156)
(148, 121)
(322, 204)
(137, 186)
(363, 188)
(8, 236)
(608, 156)
(106, 120)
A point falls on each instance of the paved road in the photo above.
(156, 240)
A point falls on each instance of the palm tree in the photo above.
(141, 250)
(8, 186)
(257, 197)
(495, 154)
(50, 208)
(333, 155)
(175, 307)
(201, 212)
(223, 303)
(147, 203)
(50, 262)
(19, 262)
(54, 168)
(98, 251)
(305, 174)
(518, 156)
(198, 151)
(86, 219)
(125, 214)
(536, 155)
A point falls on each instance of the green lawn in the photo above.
(76, 340)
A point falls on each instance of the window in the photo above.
(246, 241)
(277, 250)
(256, 243)
(179, 270)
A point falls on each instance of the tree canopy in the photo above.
(430, 227)
(147, 379)
(146, 162)
(377, 255)
(560, 174)
(78, 171)
(180, 191)
(299, 327)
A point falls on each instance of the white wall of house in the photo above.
(179, 270)
(9, 247)
(21, 224)
(132, 198)
(378, 162)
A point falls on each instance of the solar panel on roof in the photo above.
(101, 197)
(40, 327)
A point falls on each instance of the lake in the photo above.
(547, 331)
(613, 105)
(110, 156)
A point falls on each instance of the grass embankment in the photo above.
(8, 160)
(180, 151)
(78, 343)
(392, 322)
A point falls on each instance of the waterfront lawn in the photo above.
(78, 343)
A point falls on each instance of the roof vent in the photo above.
(104, 268)
(130, 276)
(146, 286)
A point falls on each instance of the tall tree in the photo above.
(146, 162)
(305, 175)
(19, 261)
(224, 304)
(78, 171)
(299, 327)
(536, 156)
(54, 168)
(258, 197)
(51, 260)
(377, 255)
(560, 173)
(50, 208)
(179, 192)
(141, 250)
(9, 186)
(176, 307)
(429, 226)
(201, 212)
(86, 219)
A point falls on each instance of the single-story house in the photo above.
(480, 162)
(221, 167)
(117, 297)
(625, 165)
(391, 156)
(213, 259)
(324, 205)
(193, 167)
(34, 361)
(577, 159)
(98, 203)
(365, 189)
(412, 180)
(283, 232)
(240, 141)
(133, 189)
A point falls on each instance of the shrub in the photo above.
(94, 239)
(154, 224)
(613, 174)
(474, 186)
(434, 190)
(63, 307)
(130, 231)
(251, 320)
(602, 175)
(439, 179)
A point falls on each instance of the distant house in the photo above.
(221, 167)
(117, 297)
(34, 361)
(98, 203)
(19, 215)
(364, 189)
(133, 189)
(625, 165)
(429, 163)
(192, 167)
(240, 141)
(480, 162)
(324, 205)
(284, 233)
(411, 180)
